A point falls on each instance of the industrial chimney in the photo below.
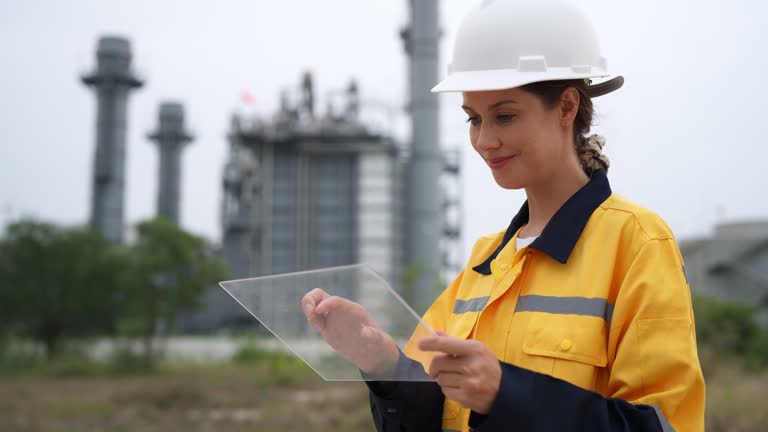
(170, 137)
(423, 212)
(112, 80)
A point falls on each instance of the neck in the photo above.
(546, 198)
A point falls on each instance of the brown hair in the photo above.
(589, 149)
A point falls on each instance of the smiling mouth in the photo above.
(499, 162)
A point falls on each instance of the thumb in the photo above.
(376, 339)
(382, 351)
(370, 335)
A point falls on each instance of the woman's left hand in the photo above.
(467, 371)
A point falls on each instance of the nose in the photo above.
(486, 138)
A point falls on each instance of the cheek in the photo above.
(518, 138)
(535, 139)
(539, 155)
(473, 133)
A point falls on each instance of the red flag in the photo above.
(247, 98)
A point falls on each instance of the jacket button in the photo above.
(504, 266)
(566, 345)
(391, 410)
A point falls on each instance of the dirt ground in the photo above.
(195, 399)
(232, 398)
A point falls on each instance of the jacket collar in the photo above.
(561, 233)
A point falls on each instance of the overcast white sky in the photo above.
(685, 134)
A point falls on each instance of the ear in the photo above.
(569, 105)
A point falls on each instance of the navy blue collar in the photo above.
(561, 233)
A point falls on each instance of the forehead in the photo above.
(482, 100)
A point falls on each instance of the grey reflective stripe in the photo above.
(595, 307)
(472, 305)
(665, 426)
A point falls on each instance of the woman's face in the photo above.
(521, 140)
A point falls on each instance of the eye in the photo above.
(474, 120)
(505, 117)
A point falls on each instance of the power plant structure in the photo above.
(170, 137)
(424, 197)
(113, 80)
(305, 191)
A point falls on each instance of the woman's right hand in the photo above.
(351, 330)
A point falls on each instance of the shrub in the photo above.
(757, 351)
(727, 327)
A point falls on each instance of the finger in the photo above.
(308, 306)
(313, 298)
(445, 363)
(450, 380)
(448, 345)
(441, 333)
(328, 304)
(455, 394)
(316, 320)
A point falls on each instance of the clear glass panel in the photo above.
(364, 319)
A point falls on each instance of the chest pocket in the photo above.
(570, 347)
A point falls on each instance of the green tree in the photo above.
(58, 282)
(171, 268)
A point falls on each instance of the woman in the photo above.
(578, 316)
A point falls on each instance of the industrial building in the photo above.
(304, 190)
(307, 191)
(731, 265)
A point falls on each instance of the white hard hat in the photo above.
(504, 44)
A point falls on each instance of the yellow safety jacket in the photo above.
(599, 300)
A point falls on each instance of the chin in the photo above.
(509, 182)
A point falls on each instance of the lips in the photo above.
(499, 162)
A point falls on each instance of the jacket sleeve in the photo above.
(655, 381)
(413, 406)
(406, 406)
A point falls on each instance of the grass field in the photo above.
(228, 398)
(737, 400)
(264, 394)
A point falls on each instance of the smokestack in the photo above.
(112, 81)
(170, 137)
(307, 95)
(424, 218)
(353, 102)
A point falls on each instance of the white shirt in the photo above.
(524, 242)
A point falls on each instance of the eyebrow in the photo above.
(494, 105)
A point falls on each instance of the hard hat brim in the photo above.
(502, 79)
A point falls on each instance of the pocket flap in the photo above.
(581, 339)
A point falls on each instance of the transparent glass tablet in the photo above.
(363, 301)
